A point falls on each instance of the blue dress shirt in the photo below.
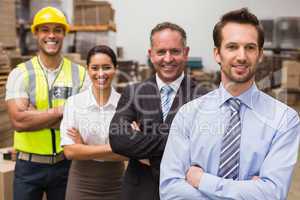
(268, 149)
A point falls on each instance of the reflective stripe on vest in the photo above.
(68, 82)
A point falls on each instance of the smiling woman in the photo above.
(95, 171)
(101, 63)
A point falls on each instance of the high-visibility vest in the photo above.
(68, 82)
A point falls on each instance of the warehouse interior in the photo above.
(125, 26)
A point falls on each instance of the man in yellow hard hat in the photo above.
(35, 94)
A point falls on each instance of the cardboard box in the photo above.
(6, 180)
(283, 95)
(6, 177)
(264, 68)
(93, 13)
(7, 168)
(8, 33)
(290, 75)
(6, 129)
(127, 71)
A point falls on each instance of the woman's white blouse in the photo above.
(91, 120)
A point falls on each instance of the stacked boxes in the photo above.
(6, 130)
(144, 72)
(4, 66)
(16, 59)
(127, 73)
(205, 80)
(94, 25)
(6, 178)
(277, 71)
(290, 75)
(264, 72)
(284, 95)
(93, 12)
(5, 126)
(279, 75)
(8, 23)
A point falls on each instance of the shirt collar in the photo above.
(248, 97)
(47, 69)
(174, 85)
(112, 101)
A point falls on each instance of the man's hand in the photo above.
(135, 126)
(145, 162)
(193, 176)
(75, 135)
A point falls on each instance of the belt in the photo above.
(45, 159)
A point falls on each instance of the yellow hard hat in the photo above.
(49, 15)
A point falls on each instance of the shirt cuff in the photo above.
(209, 183)
(15, 95)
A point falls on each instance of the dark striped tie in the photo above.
(165, 100)
(230, 149)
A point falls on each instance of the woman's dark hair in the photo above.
(102, 49)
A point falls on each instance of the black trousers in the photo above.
(33, 179)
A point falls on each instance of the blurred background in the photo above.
(125, 26)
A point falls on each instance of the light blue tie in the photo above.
(165, 100)
(230, 149)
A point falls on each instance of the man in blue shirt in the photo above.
(235, 142)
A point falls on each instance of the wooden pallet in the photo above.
(2, 83)
(3, 79)
(2, 103)
(6, 129)
(3, 60)
(93, 28)
(2, 91)
(4, 72)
